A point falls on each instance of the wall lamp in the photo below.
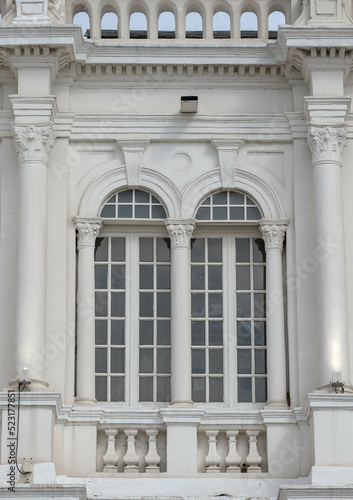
(25, 378)
(337, 381)
(189, 104)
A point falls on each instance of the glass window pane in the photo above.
(198, 333)
(146, 360)
(117, 389)
(197, 305)
(243, 333)
(163, 332)
(101, 303)
(242, 249)
(243, 277)
(215, 308)
(215, 332)
(236, 198)
(112, 199)
(158, 212)
(142, 196)
(259, 250)
(215, 278)
(118, 305)
(215, 361)
(203, 213)
(146, 305)
(198, 250)
(118, 249)
(249, 201)
(163, 360)
(163, 277)
(259, 305)
(253, 213)
(146, 332)
(117, 361)
(125, 212)
(146, 249)
(146, 389)
(214, 250)
(163, 389)
(198, 389)
(216, 390)
(163, 305)
(243, 305)
(142, 211)
(260, 390)
(163, 250)
(260, 332)
(260, 361)
(101, 360)
(101, 332)
(207, 201)
(237, 213)
(198, 363)
(220, 198)
(197, 277)
(244, 390)
(118, 332)
(219, 213)
(101, 388)
(125, 196)
(146, 277)
(259, 278)
(244, 361)
(108, 212)
(118, 277)
(101, 250)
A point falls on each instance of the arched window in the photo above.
(82, 18)
(275, 19)
(166, 25)
(109, 25)
(228, 318)
(138, 25)
(193, 25)
(221, 25)
(133, 301)
(248, 25)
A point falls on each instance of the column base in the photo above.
(276, 403)
(328, 388)
(181, 403)
(79, 401)
(37, 385)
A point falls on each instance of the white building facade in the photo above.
(175, 251)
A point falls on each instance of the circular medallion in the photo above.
(181, 161)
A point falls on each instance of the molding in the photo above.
(227, 150)
(133, 150)
(313, 491)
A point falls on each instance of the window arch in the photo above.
(228, 206)
(82, 18)
(275, 19)
(166, 25)
(193, 25)
(221, 25)
(138, 25)
(249, 25)
(133, 204)
(109, 25)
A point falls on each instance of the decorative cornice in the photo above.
(180, 232)
(326, 143)
(88, 230)
(273, 233)
(33, 142)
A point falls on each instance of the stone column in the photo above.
(88, 230)
(273, 232)
(180, 233)
(33, 144)
(326, 144)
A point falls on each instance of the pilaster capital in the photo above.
(326, 143)
(33, 142)
(88, 230)
(273, 232)
(180, 231)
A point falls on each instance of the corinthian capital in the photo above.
(273, 233)
(88, 230)
(33, 142)
(326, 143)
(180, 232)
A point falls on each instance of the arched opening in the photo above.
(221, 25)
(248, 25)
(82, 18)
(275, 19)
(193, 25)
(166, 25)
(138, 25)
(109, 25)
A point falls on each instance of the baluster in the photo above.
(152, 458)
(212, 460)
(110, 459)
(253, 458)
(233, 459)
(131, 458)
